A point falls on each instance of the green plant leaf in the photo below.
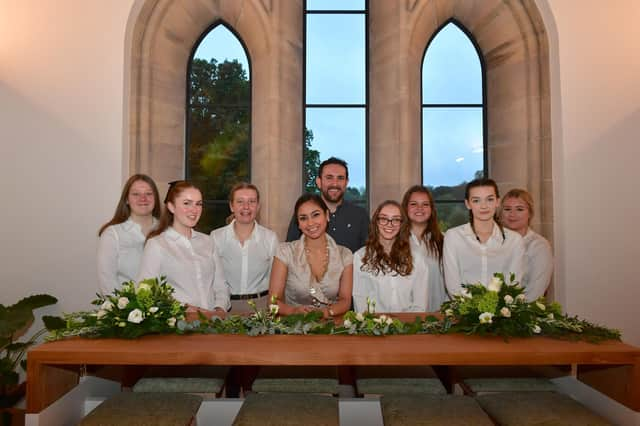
(54, 323)
(34, 302)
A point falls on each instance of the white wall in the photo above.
(61, 86)
(61, 148)
(596, 136)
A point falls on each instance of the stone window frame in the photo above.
(511, 35)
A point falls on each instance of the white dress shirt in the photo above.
(468, 261)
(437, 292)
(539, 265)
(391, 292)
(247, 267)
(191, 267)
(119, 252)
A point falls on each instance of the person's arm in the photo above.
(540, 268)
(344, 294)
(151, 263)
(420, 286)
(452, 275)
(293, 233)
(107, 260)
(359, 290)
(277, 284)
(222, 301)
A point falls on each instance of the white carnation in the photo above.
(347, 324)
(123, 302)
(505, 312)
(107, 305)
(135, 316)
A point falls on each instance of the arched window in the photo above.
(218, 127)
(453, 120)
(336, 93)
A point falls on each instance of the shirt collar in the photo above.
(175, 235)
(255, 233)
(495, 234)
(130, 224)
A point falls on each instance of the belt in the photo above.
(249, 296)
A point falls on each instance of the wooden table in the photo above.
(53, 367)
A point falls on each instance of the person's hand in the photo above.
(303, 309)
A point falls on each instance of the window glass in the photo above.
(335, 5)
(218, 122)
(453, 120)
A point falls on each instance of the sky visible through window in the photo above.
(452, 137)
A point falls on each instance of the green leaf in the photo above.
(54, 323)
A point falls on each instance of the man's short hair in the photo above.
(333, 160)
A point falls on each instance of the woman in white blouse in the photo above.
(473, 252)
(246, 249)
(384, 270)
(516, 214)
(121, 240)
(426, 239)
(312, 273)
(185, 256)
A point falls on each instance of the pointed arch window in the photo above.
(218, 128)
(453, 119)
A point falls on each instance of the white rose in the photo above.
(107, 305)
(359, 317)
(383, 318)
(541, 306)
(465, 293)
(143, 287)
(449, 312)
(101, 313)
(537, 329)
(347, 324)
(389, 321)
(171, 322)
(508, 300)
(273, 309)
(135, 316)
(123, 302)
(486, 318)
(520, 297)
(494, 284)
(505, 312)
(550, 316)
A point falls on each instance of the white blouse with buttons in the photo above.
(247, 266)
(119, 252)
(468, 261)
(191, 267)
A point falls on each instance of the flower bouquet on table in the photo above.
(501, 309)
(133, 310)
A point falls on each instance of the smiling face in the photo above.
(515, 214)
(312, 220)
(333, 182)
(419, 208)
(388, 222)
(483, 202)
(141, 199)
(186, 209)
(245, 205)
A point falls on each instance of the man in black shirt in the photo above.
(348, 223)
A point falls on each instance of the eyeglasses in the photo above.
(394, 221)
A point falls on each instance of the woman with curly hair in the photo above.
(385, 270)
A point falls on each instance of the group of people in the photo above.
(334, 259)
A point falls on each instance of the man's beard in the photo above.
(334, 199)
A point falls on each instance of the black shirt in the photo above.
(348, 225)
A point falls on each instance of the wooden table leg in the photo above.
(46, 383)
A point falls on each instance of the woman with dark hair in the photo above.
(246, 249)
(385, 270)
(473, 252)
(426, 237)
(185, 256)
(121, 240)
(516, 213)
(312, 273)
